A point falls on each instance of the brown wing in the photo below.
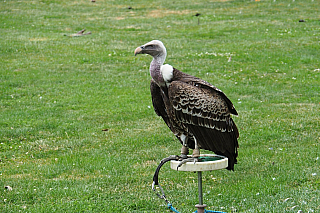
(206, 114)
(192, 80)
(158, 103)
(161, 106)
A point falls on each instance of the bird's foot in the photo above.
(186, 160)
(183, 157)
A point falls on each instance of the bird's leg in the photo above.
(195, 155)
(184, 152)
(184, 148)
(196, 151)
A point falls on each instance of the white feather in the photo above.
(167, 72)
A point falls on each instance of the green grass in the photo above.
(58, 93)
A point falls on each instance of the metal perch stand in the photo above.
(207, 162)
(200, 206)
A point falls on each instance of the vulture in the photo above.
(198, 113)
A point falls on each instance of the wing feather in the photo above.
(206, 114)
(162, 109)
(197, 82)
(157, 101)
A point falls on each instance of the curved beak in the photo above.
(138, 51)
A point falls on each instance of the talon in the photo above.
(184, 161)
(192, 159)
(195, 160)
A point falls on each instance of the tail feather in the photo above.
(221, 143)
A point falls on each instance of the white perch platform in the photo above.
(210, 162)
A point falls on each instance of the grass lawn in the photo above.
(58, 92)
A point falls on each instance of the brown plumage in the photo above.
(195, 111)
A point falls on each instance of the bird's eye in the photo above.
(151, 46)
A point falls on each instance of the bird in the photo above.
(198, 113)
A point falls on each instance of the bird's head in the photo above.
(154, 48)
